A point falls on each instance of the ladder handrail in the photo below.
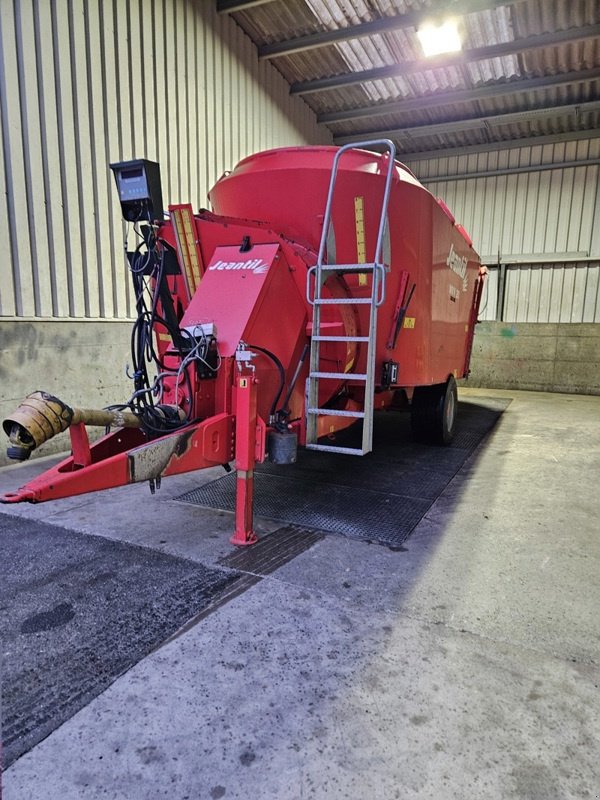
(391, 147)
(376, 299)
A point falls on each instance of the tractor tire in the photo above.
(433, 412)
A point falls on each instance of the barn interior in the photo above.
(418, 622)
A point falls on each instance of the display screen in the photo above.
(129, 174)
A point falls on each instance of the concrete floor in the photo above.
(465, 666)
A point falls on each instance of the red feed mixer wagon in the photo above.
(326, 283)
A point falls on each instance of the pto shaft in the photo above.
(41, 416)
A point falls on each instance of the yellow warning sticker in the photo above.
(361, 250)
(409, 322)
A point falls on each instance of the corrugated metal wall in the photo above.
(87, 82)
(558, 292)
(541, 223)
(549, 212)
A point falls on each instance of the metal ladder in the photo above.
(321, 272)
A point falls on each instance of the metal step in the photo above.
(341, 301)
(340, 376)
(340, 338)
(329, 448)
(348, 267)
(335, 412)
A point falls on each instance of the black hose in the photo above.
(295, 377)
(279, 366)
(142, 346)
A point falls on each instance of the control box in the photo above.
(139, 188)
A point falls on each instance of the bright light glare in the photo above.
(436, 39)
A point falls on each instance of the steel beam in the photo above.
(466, 95)
(410, 19)
(501, 293)
(411, 158)
(494, 173)
(471, 123)
(451, 60)
(574, 257)
(231, 6)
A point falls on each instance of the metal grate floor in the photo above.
(380, 497)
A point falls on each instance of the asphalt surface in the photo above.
(76, 611)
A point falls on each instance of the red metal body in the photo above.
(251, 258)
(288, 188)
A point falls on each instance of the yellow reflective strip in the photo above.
(361, 249)
(183, 242)
(190, 233)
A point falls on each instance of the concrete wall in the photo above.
(83, 363)
(555, 357)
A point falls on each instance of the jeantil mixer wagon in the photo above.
(325, 284)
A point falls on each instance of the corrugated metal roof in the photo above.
(285, 20)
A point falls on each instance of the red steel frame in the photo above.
(124, 457)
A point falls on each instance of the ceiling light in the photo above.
(436, 39)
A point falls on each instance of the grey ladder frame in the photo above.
(321, 271)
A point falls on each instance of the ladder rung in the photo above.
(340, 338)
(340, 301)
(347, 267)
(329, 448)
(334, 412)
(340, 376)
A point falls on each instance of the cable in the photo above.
(143, 353)
(292, 385)
(147, 270)
(279, 366)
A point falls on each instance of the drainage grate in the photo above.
(379, 497)
(272, 551)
